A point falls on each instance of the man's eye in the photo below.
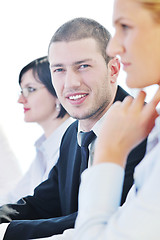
(31, 89)
(84, 66)
(58, 70)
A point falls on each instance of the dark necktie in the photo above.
(87, 138)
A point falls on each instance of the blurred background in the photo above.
(26, 29)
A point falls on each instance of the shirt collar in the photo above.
(95, 128)
(52, 143)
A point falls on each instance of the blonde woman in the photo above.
(137, 42)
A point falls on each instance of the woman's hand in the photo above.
(127, 123)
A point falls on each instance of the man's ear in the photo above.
(114, 68)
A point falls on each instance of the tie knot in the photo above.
(87, 138)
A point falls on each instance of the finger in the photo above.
(150, 116)
(127, 102)
(116, 104)
(150, 108)
(156, 99)
(138, 102)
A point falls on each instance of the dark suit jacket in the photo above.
(53, 207)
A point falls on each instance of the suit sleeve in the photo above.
(27, 229)
(34, 218)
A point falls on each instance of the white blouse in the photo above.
(99, 214)
(47, 154)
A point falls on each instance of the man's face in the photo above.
(80, 77)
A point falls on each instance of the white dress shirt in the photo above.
(100, 216)
(47, 153)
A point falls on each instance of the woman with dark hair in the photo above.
(42, 106)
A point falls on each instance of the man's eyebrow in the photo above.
(73, 64)
(82, 61)
(56, 65)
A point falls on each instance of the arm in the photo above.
(137, 219)
(35, 218)
(99, 217)
(127, 123)
(35, 207)
(51, 210)
(30, 229)
(67, 235)
(24, 187)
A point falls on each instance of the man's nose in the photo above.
(72, 79)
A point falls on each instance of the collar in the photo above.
(120, 95)
(51, 144)
(95, 128)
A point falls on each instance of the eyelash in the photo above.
(31, 89)
(83, 66)
(124, 26)
(58, 70)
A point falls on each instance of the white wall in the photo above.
(26, 29)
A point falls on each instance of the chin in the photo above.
(79, 117)
(130, 83)
(27, 120)
(133, 82)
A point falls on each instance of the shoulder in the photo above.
(70, 133)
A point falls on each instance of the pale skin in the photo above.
(136, 41)
(40, 105)
(85, 85)
(129, 122)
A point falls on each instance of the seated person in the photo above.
(85, 80)
(41, 105)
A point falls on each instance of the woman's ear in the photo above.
(114, 68)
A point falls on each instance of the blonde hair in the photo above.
(153, 6)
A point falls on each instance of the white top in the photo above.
(47, 153)
(10, 172)
(101, 218)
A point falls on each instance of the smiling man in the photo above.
(84, 83)
(85, 80)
